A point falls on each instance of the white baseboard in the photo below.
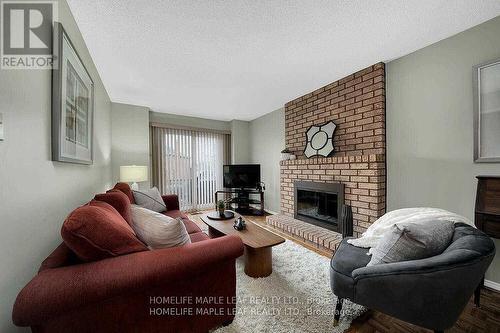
(492, 285)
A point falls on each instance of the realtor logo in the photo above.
(26, 34)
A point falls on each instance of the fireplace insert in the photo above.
(319, 203)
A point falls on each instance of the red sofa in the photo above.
(189, 288)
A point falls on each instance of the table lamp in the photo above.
(133, 174)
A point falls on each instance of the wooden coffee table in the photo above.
(258, 243)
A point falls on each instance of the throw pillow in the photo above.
(125, 188)
(412, 241)
(150, 199)
(157, 230)
(119, 201)
(97, 231)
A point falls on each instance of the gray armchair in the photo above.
(430, 292)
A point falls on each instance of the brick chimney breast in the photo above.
(356, 104)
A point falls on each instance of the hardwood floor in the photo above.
(473, 320)
(483, 319)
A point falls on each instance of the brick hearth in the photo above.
(321, 238)
(356, 104)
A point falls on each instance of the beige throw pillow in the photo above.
(158, 231)
(150, 199)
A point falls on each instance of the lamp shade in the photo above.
(133, 173)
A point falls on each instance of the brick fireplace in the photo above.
(356, 104)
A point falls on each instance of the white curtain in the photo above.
(189, 163)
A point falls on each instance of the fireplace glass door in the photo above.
(320, 206)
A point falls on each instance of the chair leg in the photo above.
(338, 310)
(227, 323)
(477, 294)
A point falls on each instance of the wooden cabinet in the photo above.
(487, 214)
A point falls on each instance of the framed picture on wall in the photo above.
(72, 103)
(486, 81)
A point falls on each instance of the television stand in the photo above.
(243, 200)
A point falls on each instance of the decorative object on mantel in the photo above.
(320, 140)
(285, 154)
(72, 103)
(133, 174)
(486, 87)
(487, 211)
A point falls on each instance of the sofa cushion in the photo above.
(158, 231)
(175, 214)
(119, 201)
(198, 237)
(125, 188)
(412, 241)
(191, 227)
(97, 231)
(150, 199)
(61, 256)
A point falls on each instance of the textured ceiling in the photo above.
(241, 59)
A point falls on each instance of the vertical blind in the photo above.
(189, 163)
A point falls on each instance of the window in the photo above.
(189, 163)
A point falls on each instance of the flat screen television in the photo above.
(241, 175)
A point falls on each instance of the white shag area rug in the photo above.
(296, 297)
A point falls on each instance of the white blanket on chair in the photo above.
(374, 232)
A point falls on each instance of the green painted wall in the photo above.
(267, 139)
(429, 125)
(179, 120)
(130, 138)
(36, 194)
(240, 142)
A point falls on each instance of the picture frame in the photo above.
(486, 97)
(72, 103)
